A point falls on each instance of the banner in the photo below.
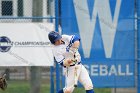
(25, 44)
(106, 29)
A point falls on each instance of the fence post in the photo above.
(52, 79)
(56, 29)
(138, 28)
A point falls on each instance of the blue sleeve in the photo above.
(61, 62)
(75, 38)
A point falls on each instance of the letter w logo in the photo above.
(86, 25)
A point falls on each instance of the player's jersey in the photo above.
(76, 72)
(62, 51)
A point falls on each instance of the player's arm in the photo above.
(71, 39)
(75, 43)
(74, 48)
(60, 59)
(65, 62)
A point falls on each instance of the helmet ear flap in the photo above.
(51, 40)
(54, 36)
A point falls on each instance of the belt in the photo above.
(74, 64)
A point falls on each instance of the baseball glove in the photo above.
(3, 82)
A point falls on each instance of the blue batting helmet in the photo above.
(54, 36)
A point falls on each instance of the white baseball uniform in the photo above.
(62, 52)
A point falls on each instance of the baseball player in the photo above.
(66, 54)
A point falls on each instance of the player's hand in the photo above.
(70, 61)
(74, 60)
(67, 62)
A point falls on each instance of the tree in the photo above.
(35, 81)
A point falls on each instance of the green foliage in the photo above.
(24, 87)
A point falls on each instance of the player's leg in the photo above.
(68, 87)
(65, 90)
(90, 91)
(61, 91)
(85, 80)
(69, 80)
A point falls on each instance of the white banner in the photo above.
(25, 44)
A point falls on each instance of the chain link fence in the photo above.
(23, 73)
(27, 11)
(17, 11)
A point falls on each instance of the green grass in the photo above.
(24, 87)
(96, 90)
